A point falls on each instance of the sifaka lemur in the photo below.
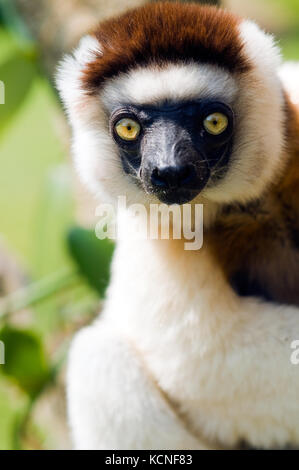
(188, 104)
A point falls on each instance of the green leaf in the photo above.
(93, 257)
(25, 361)
(17, 74)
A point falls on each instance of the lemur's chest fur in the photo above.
(257, 245)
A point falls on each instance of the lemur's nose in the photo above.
(173, 177)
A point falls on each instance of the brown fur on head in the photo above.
(159, 33)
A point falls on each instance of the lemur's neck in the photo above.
(174, 286)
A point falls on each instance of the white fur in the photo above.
(174, 82)
(289, 74)
(69, 72)
(171, 327)
(114, 403)
(176, 359)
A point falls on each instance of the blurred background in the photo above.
(53, 271)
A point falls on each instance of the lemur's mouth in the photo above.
(178, 182)
(181, 196)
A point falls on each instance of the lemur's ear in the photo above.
(69, 71)
(260, 48)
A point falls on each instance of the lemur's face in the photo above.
(174, 150)
(175, 103)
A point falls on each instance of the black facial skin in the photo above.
(174, 157)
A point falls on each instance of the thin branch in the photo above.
(38, 291)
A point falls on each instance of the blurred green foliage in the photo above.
(67, 267)
(30, 369)
(93, 257)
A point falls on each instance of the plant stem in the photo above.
(38, 291)
(21, 424)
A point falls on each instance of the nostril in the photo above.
(173, 176)
(186, 174)
(158, 178)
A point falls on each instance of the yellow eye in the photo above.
(215, 123)
(127, 129)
